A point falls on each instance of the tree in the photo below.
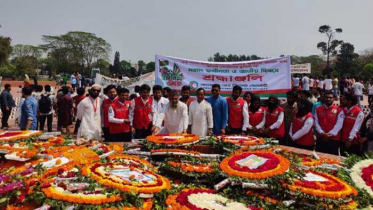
(316, 61)
(5, 50)
(141, 64)
(367, 72)
(329, 47)
(32, 53)
(150, 67)
(79, 50)
(125, 67)
(116, 66)
(347, 60)
(232, 58)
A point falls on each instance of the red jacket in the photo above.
(121, 111)
(349, 123)
(105, 111)
(257, 117)
(235, 109)
(327, 117)
(298, 123)
(141, 113)
(271, 117)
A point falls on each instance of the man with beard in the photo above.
(89, 115)
(200, 115)
(274, 119)
(142, 114)
(354, 117)
(120, 129)
(290, 108)
(219, 110)
(238, 116)
(174, 115)
(111, 92)
(301, 131)
(185, 95)
(328, 123)
(256, 116)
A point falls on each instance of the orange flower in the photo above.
(179, 138)
(241, 140)
(282, 166)
(122, 158)
(334, 189)
(187, 167)
(96, 172)
(80, 198)
(17, 135)
(174, 151)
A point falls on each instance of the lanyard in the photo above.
(94, 107)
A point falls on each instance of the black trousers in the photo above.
(49, 119)
(6, 114)
(330, 146)
(107, 134)
(233, 131)
(354, 149)
(144, 132)
(121, 137)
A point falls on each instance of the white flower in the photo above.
(356, 172)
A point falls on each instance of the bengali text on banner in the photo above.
(262, 77)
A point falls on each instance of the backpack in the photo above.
(45, 104)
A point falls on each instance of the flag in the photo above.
(163, 62)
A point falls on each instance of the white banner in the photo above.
(304, 68)
(130, 84)
(263, 77)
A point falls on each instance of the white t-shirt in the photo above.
(328, 84)
(358, 88)
(296, 81)
(370, 89)
(311, 82)
(321, 84)
(306, 83)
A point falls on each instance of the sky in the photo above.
(192, 29)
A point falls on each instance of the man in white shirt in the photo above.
(311, 83)
(328, 83)
(320, 83)
(174, 115)
(358, 88)
(89, 113)
(158, 101)
(200, 115)
(295, 81)
(305, 83)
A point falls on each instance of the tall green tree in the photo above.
(347, 60)
(77, 49)
(5, 50)
(125, 67)
(330, 46)
(116, 65)
(150, 67)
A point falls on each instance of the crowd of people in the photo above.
(308, 119)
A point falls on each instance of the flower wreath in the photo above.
(173, 138)
(241, 165)
(129, 159)
(104, 174)
(188, 167)
(198, 199)
(362, 175)
(17, 135)
(243, 140)
(322, 185)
